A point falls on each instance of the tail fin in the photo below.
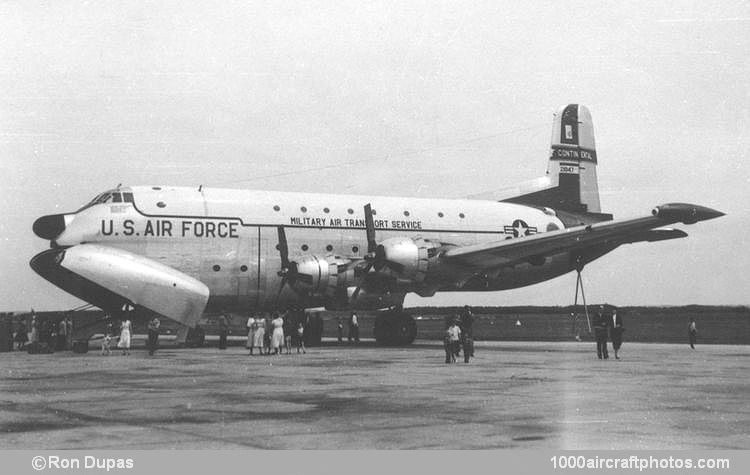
(572, 165)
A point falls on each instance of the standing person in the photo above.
(69, 331)
(259, 332)
(353, 328)
(277, 339)
(107, 340)
(62, 334)
(600, 333)
(453, 342)
(692, 333)
(124, 342)
(251, 327)
(153, 335)
(267, 334)
(467, 332)
(341, 330)
(223, 330)
(288, 331)
(22, 334)
(615, 330)
(301, 337)
(34, 329)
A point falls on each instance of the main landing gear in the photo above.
(579, 283)
(395, 328)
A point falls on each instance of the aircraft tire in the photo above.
(395, 330)
(313, 331)
(80, 347)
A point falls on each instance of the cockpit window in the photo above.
(108, 197)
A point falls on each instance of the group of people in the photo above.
(275, 333)
(603, 323)
(41, 332)
(459, 335)
(125, 333)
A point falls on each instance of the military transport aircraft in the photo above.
(179, 251)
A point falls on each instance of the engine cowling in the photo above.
(325, 276)
(410, 258)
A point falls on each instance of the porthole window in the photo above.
(161, 204)
(243, 268)
(217, 268)
(303, 209)
(277, 247)
(355, 249)
(326, 210)
(440, 214)
(461, 215)
(406, 213)
(374, 212)
(276, 208)
(329, 248)
(305, 247)
(350, 211)
(156, 188)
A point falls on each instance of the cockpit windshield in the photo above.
(112, 196)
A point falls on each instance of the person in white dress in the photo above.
(259, 334)
(277, 338)
(250, 333)
(124, 342)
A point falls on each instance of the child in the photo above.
(107, 341)
(300, 339)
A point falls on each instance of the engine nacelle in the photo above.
(412, 257)
(324, 276)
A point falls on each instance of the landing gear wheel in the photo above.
(395, 330)
(80, 346)
(313, 331)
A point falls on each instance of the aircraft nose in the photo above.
(50, 226)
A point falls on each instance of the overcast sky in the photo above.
(429, 99)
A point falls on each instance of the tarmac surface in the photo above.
(512, 395)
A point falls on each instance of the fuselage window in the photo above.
(350, 211)
(305, 247)
(355, 249)
(116, 198)
(243, 268)
(461, 215)
(127, 197)
(303, 209)
(326, 210)
(329, 248)
(440, 214)
(217, 268)
(161, 204)
(406, 213)
(276, 208)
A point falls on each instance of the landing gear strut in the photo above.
(395, 328)
(579, 283)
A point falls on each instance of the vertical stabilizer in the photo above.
(572, 162)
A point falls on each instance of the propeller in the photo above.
(375, 257)
(289, 272)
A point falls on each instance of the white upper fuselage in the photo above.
(227, 238)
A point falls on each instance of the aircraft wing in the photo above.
(507, 252)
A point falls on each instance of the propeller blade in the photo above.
(372, 245)
(365, 270)
(283, 247)
(278, 294)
